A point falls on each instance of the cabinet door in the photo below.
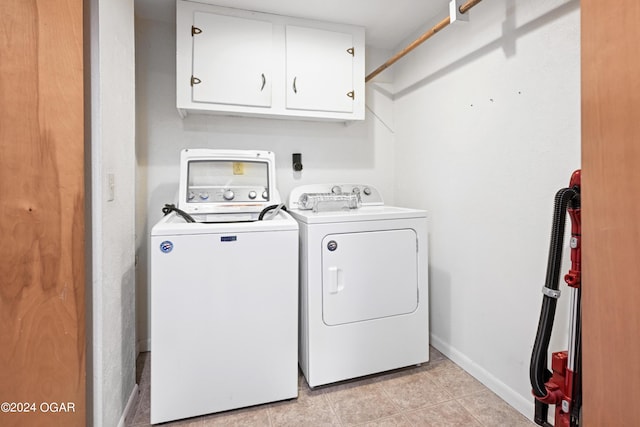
(319, 69)
(231, 60)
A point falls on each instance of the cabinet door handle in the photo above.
(351, 95)
(295, 89)
(195, 81)
(264, 82)
(351, 51)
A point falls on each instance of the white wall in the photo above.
(331, 152)
(112, 152)
(487, 126)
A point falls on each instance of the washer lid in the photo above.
(365, 213)
(172, 224)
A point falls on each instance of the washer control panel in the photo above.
(225, 194)
(226, 181)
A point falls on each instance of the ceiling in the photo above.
(387, 22)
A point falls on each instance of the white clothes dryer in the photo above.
(224, 290)
(363, 283)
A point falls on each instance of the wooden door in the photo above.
(611, 211)
(42, 211)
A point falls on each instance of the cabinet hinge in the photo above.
(195, 30)
(195, 80)
(351, 95)
(351, 51)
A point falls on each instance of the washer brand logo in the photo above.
(332, 245)
(228, 238)
(166, 246)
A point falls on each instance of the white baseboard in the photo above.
(506, 393)
(129, 409)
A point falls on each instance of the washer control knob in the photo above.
(265, 194)
(191, 195)
(228, 195)
(336, 189)
(355, 190)
(204, 196)
(252, 194)
(366, 191)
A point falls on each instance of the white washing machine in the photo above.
(224, 290)
(363, 283)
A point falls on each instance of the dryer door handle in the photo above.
(335, 280)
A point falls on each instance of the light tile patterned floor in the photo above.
(438, 393)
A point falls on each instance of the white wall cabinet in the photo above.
(319, 69)
(231, 61)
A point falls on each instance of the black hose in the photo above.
(167, 209)
(538, 372)
(269, 208)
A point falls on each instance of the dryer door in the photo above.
(369, 275)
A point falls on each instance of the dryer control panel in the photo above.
(367, 195)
